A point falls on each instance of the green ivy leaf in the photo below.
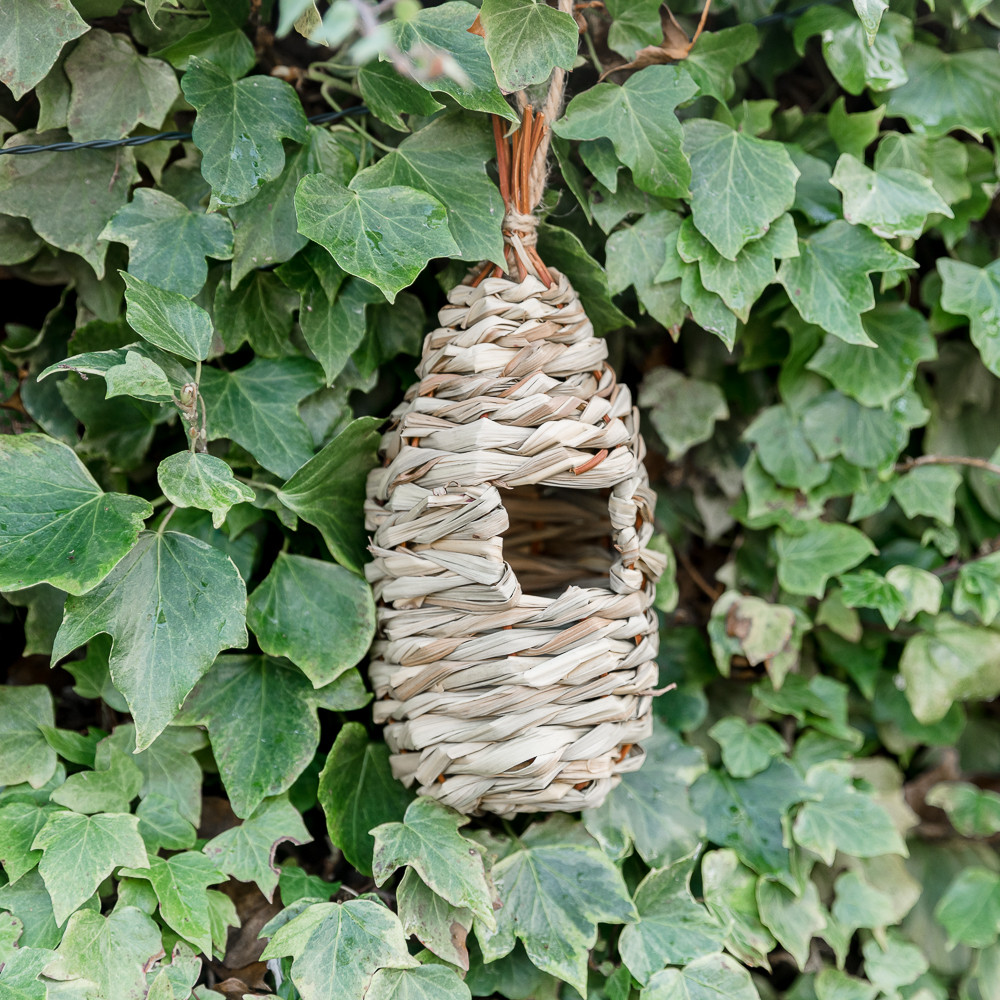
(447, 27)
(867, 589)
(388, 95)
(948, 91)
(19, 824)
(328, 491)
(167, 319)
(975, 292)
(320, 615)
(639, 120)
(445, 160)
(970, 908)
(815, 197)
(114, 88)
(929, 490)
(793, 920)
(109, 789)
(893, 963)
(784, 450)
(239, 699)
(439, 926)
(247, 851)
(714, 56)
(113, 951)
(746, 750)
(921, 590)
(730, 893)
(429, 842)
(978, 588)
(258, 310)
(806, 561)
(180, 882)
(59, 527)
(168, 243)
(79, 852)
(294, 884)
(746, 814)
(556, 884)
(162, 825)
(153, 589)
(189, 479)
(712, 977)
(828, 282)
(33, 35)
(25, 755)
(683, 410)
(142, 376)
(337, 948)
(257, 407)
(68, 197)
(526, 41)
(724, 162)
(636, 24)
(384, 235)
(358, 792)
(262, 238)
(672, 927)
(974, 812)
(944, 160)
(428, 982)
(891, 201)
(239, 127)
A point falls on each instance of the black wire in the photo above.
(141, 140)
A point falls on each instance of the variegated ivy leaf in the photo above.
(189, 479)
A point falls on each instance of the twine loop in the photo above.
(524, 224)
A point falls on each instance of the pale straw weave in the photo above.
(515, 664)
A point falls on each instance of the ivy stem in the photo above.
(159, 502)
(976, 463)
(166, 519)
(257, 483)
(509, 830)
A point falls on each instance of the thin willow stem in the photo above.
(976, 463)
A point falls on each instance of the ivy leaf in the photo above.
(79, 852)
(239, 127)
(526, 41)
(948, 91)
(978, 588)
(891, 202)
(740, 282)
(975, 292)
(19, 824)
(951, 661)
(33, 35)
(874, 377)
(427, 982)
(815, 197)
(944, 160)
(921, 590)
(556, 884)
(160, 649)
(639, 120)
(974, 812)
(238, 701)
(746, 750)
(358, 792)
(257, 407)
(388, 95)
(25, 755)
(928, 490)
(893, 963)
(746, 814)
(263, 237)
(141, 376)
(294, 884)
(684, 410)
(162, 825)
(180, 882)
(446, 160)
(109, 789)
(192, 480)
(636, 25)
(867, 589)
(59, 526)
(739, 184)
(784, 450)
(429, 842)
(707, 309)
(711, 977)
(635, 256)
(384, 235)
(28, 901)
(828, 282)
(68, 197)
(19, 976)
(439, 926)
(714, 56)
(168, 243)
(650, 809)
(114, 88)
(672, 928)
(258, 310)
(970, 909)
(329, 490)
(318, 614)
(870, 12)
(167, 319)
(113, 951)
(808, 560)
(792, 920)
(446, 27)
(247, 851)
(337, 948)
(842, 818)
(730, 894)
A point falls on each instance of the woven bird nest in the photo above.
(515, 664)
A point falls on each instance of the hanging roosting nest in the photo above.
(516, 654)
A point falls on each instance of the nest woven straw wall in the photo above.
(515, 663)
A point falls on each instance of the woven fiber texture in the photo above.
(515, 664)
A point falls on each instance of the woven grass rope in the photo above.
(515, 663)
